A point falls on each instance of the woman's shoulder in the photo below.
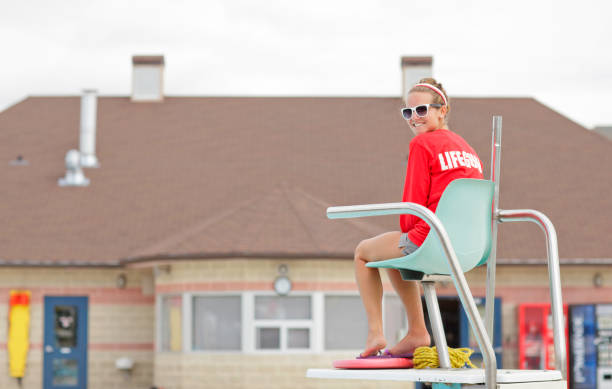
(426, 142)
(449, 134)
(439, 138)
(431, 136)
(419, 140)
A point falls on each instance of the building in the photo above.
(198, 205)
(605, 131)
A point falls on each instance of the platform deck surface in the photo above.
(462, 376)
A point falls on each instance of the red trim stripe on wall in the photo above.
(246, 285)
(97, 295)
(509, 294)
(102, 346)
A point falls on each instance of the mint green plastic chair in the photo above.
(465, 211)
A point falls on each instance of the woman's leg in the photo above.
(410, 294)
(378, 248)
(384, 246)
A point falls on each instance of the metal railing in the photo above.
(457, 275)
(554, 275)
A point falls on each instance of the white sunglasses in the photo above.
(420, 110)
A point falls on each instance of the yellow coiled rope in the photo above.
(428, 357)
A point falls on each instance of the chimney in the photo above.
(148, 78)
(413, 69)
(74, 173)
(87, 140)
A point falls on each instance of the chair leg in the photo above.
(435, 319)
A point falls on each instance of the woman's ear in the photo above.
(443, 111)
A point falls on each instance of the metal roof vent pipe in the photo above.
(87, 140)
(413, 69)
(148, 78)
(74, 173)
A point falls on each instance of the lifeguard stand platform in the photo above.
(454, 260)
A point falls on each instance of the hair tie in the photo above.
(433, 88)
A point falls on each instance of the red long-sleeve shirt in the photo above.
(435, 159)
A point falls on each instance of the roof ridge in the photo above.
(293, 209)
(191, 231)
(262, 223)
(362, 225)
(165, 247)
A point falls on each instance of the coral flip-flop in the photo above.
(386, 353)
(378, 355)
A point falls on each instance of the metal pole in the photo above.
(467, 300)
(491, 263)
(437, 329)
(554, 276)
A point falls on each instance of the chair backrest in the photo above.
(465, 210)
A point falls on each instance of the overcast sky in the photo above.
(558, 52)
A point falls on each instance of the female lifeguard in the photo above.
(436, 157)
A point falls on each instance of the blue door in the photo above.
(65, 343)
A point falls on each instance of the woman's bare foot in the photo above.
(410, 342)
(376, 342)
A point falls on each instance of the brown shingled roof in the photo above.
(253, 176)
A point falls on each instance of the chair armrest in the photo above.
(355, 211)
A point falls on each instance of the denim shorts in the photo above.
(406, 245)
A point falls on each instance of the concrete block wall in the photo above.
(256, 274)
(196, 371)
(120, 322)
(33, 375)
(102, 372)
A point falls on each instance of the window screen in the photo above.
(171, 323)
(268, 338)
(395, 321)
(346, 326)
(282, 308)
(217, 323)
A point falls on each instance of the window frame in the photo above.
(159, 330)
(348, 294)
(338, 294)
(190, 320)
(285, 324)
(249, 325)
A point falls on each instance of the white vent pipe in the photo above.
(414, 69)
(87, 140)
(74, 173)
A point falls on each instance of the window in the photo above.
(346, 327)
(217, 323)
(264, 322)
(171, 323)
(283, 322)
(395, 320)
